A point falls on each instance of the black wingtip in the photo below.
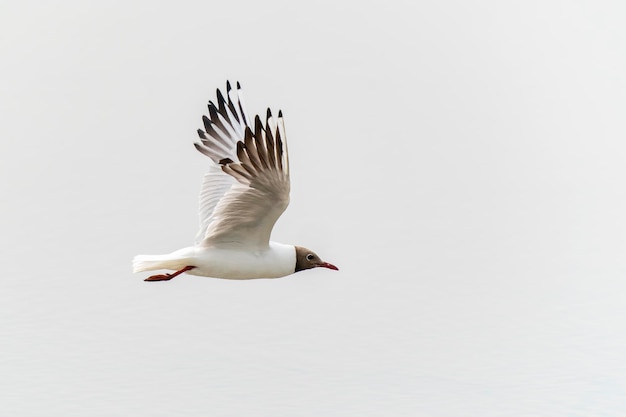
(228, 86)
(238, 86)
(207, 123)
(202, 134)
(212, 110)
(280, 113)
(269, 113)
(225, 161)
(258, 124)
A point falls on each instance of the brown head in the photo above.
(307, 259)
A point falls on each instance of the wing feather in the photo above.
(214, 185)
(271, 150)
(250, 150)
(247, 186)
(242, 106)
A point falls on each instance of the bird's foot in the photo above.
(165, 277)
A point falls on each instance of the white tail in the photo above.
(152, 262)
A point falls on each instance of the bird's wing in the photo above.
(224, 126)
(240, 203)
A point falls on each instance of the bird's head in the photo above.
(307, 259)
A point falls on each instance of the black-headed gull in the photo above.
(243, 194)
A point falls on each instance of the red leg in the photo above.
(167, 277)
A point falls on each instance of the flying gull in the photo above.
(243, 194)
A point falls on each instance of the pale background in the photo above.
(463, 163)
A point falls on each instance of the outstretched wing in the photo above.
(240, 204)
(225, 126)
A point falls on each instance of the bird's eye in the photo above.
(310, 257)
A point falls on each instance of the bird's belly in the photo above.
(276, 261)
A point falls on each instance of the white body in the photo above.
(277, 260)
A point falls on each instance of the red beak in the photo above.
(329, 266)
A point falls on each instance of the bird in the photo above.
(243, 193)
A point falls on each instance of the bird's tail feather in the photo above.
(153, 262)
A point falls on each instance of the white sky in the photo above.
(461, 162)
